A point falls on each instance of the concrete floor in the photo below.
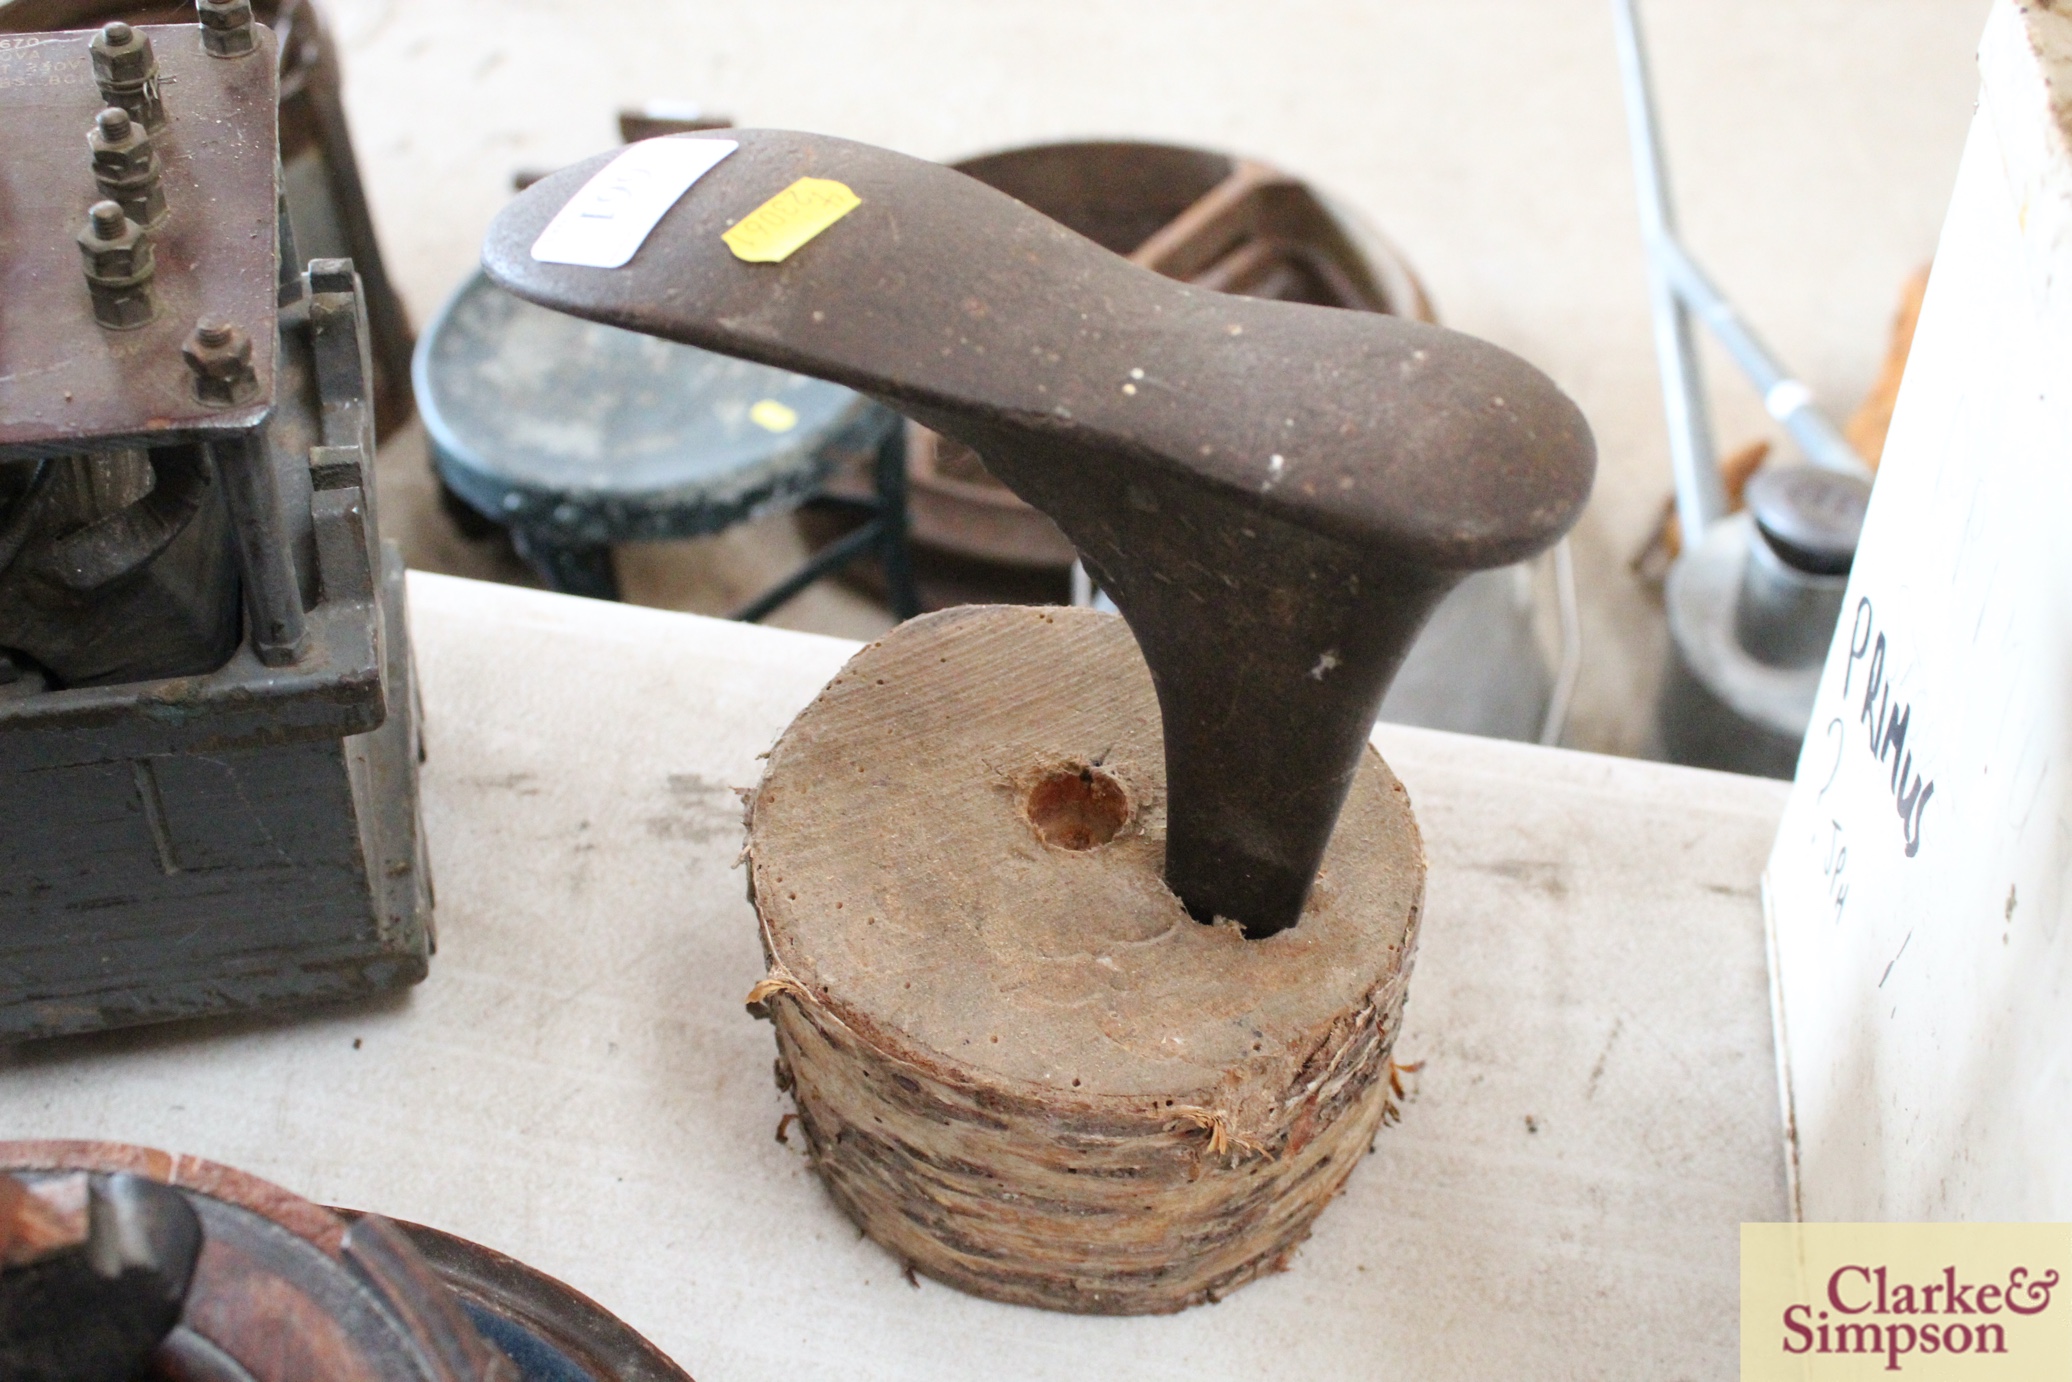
(1813, 143)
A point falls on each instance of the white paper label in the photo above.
(609, 219)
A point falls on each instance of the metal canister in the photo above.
(1752, 609)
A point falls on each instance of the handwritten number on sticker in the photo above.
(610, 217)
(772, 232)
(1836, 869)
(1836, 734)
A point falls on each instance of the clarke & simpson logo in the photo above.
(1937, 1318)
(1928, 1301)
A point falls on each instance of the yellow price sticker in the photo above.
(772, 232)
(772, 416)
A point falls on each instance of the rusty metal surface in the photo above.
(67, 383)
(1235, 225)
(1276, 495)
(960, 507)
(91, 1301)
(277, 1289)
(280, 1290)
(524, 1311)
(326, 201)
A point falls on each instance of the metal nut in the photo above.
(226, 27)
(126, 70)
(126, 166)
(119, 267)
(124, 309)
(220, 355)
(116, 249)
(122, 55)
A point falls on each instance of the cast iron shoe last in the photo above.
(1275, 495)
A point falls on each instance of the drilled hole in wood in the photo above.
(1077, 808)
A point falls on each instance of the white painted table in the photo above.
(578, 1085)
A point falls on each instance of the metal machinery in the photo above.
(208, 738)
(124, 1264)
(326, 204)
(1753, 599)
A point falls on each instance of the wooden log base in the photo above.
(1019, 1064)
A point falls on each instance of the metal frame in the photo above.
(887, 531)
(1678, 289)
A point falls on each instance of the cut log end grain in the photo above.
(1019, 1064)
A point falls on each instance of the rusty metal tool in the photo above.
(124, 1264)
(1275, 494)
(1194, 214)
(89, 1296)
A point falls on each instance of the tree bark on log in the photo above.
(1019, 1064)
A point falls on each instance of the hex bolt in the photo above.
(119, 267)
(220, 355)
(126, 166)
(226, 28)
(126, 70)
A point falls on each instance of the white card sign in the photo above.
(1918, 891)
(605, 223)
